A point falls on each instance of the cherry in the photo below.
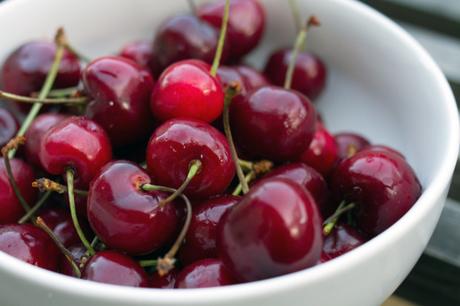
(141, 52)
(341, 240)
(10, 208)
(176, 144)
(205, 273)
(307, 177)
(75, 143)
(200, 241)
(273, 123)
(8, 126)
(60, 222)
(246, 24)
(164, 282)
(348, 144)
(381, 184)
(384, 148)
(124, 216)
(122, 89)
(77, 251)
(275, 229)
(29, 244)
(322, 153)
(35, 133)
(185, 37)
(115, 268)
(252, 79)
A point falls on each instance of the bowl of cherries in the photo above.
(208, 153)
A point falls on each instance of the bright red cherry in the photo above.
(200, 241)
(124, 216)
(29, 244)
(141, 52)
(164, 282)
(252, 78)
(186, 89)
(273, 123)
(309, 73)
(348, 144)
(246, 23)
(205, 273)
(10, 208)
(177, 143)
(275, 229)
(322, 152)
(35, 133)
(76, 143)
(381, 184)
(77, 251)
(60, 222)
(8, 126)
(115, 268)
(186, 37)
(121, 91)
(341, 240)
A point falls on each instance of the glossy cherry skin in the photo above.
(382, 185)
(176, 143)
(322, 152)
(114, 268)
(200, 242)
(76, 143)
(35, 133)
(309, 73)
(29, 244)
(164, 282)
(141, 52)
(10, 208)
(25, 70)
(60, 222)
(274, 230)
(307, 177)
(121, 92)
(205, 273)
(252, 78)
(273, 123)
(77, 251)
(341, 240)
(348, 144)
(125, 217)
(246, 23)
(186, 89)
(385, 149)
(186, 37)
(8, 126)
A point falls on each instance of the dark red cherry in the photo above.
(309, 73)
(124, 216)
(187, 90)
(141, 52)
(348, 144)
(341, 240)
(10, 208)
(164, 282)
(29, 244)
(245, 27)
(252, 78)
(77, 251)
(176, 143)
(273, 123)
(385, 149)
(25, 70)
(229, 75)
(205, 273)
(35, 133)
(8, 126)
(60, 222)
(186, 37)
(307, 177)
(382, 185)
(115, 268)
(275, 229)
(200, 241)
(322, 152)
(76, 143)
(121, 92)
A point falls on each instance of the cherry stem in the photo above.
(192, 6)
(329, 223)
(221, 42)
(299, 45)
(245, 164)
(52, 101)
(61, 93)
(35, 208)
(41, 224)
(248, 178)
(295, 14)
(148, 263)
(44, 184)
(73, 211)
(60, 41)
(78, 54)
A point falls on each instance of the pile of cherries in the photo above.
(161, 168)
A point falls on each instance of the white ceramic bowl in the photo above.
(382, 84)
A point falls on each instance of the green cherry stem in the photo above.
(295, 14)
(44, 184)
(248, 178)
(329, 223)
(245, 164)
(62, 93)
(148, 263)
(35, 208)
(52, 101)
(221, 42)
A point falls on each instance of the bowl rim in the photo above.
(426, 202)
